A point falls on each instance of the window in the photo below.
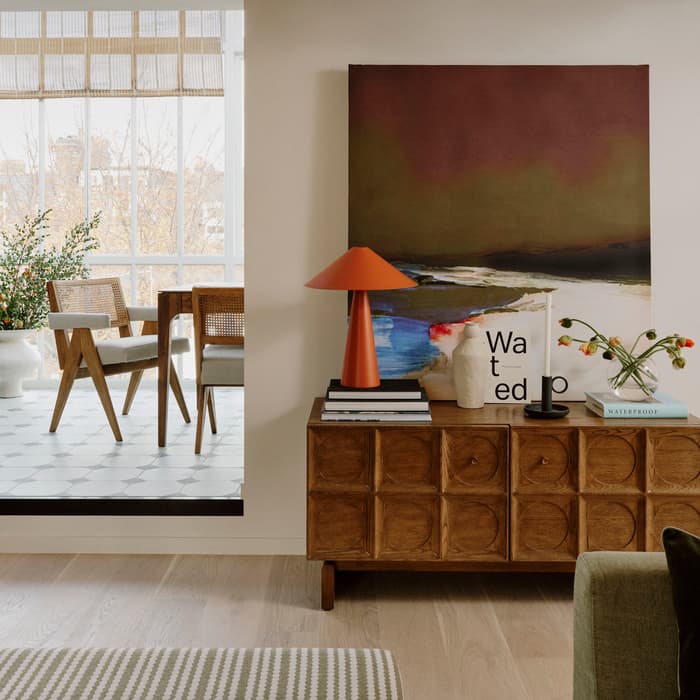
(138, 115)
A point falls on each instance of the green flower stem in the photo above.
(639, 337)
(633, 371)
(27, 262)
(630, 364)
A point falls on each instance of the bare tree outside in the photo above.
(108, 183)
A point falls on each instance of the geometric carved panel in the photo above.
(613, 524)
(544, 528)
(340, 458)
(613, 460)
(476, 460)
(407, 526)
(491, 486)
(544, 461)
(408, 460)
(675, 461)
(476, 528)
(671, 511)
(339, 526)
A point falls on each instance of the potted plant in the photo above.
(27, 263)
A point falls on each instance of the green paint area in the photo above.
(518, 209)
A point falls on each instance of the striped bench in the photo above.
(198, 674)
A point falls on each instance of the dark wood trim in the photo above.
(482, 566)
(226, 507)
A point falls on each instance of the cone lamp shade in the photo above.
(360, 270)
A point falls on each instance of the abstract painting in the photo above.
(491, 185)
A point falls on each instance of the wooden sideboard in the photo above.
(492, 490)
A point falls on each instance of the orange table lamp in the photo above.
(360, 270)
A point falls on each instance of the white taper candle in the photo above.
(548, 335)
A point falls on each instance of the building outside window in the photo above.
(138, 115)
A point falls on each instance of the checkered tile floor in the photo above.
(82, 460)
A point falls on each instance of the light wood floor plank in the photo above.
(547, 678)
(111, 618)
(475, 643)
(236, 602)
(454, 636)
(407, 608)
(25, 581)
(531, 625)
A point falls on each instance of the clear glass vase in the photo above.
(636, 381)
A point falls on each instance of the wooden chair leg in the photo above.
(131, 391)
(212, 410)
(94, 366)
(202, 398)
(70, 371)
(177, 391)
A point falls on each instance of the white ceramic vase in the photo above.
(18, 359)
(470, 361)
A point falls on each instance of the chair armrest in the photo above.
(625, 634)
(62, 321)
(142, 313)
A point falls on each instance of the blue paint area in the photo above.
(403, 345)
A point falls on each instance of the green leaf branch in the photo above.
(28, 262)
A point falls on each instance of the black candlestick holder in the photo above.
(545, 408)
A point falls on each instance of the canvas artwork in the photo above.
(491, 185)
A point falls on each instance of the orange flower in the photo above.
(565, 340)
(614, 341)
(685, 342)
(588, 348)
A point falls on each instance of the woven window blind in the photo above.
(111, 53)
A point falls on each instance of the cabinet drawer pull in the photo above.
(544, 460)
(474, 460)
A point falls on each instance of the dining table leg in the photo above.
(165, 316)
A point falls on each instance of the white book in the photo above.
(397, 416)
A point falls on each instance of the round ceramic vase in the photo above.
(470, 360)
(18, 359)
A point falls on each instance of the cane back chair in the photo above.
(219, 338)
(79, 307)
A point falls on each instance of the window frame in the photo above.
(232, 258)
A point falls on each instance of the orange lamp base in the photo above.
(360, 369)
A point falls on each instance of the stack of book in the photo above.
(659, 405)
(392, 400)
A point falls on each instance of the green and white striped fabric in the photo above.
(198, 674)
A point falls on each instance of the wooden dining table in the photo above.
(172, 302)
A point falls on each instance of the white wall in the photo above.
(297, 53)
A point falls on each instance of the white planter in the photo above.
(18, 359)
(470, 360)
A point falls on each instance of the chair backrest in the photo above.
(219, 316)
(102, 295)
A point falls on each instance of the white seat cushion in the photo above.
(135, 348)
(222, 365)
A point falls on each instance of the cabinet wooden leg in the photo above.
(327, 585)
